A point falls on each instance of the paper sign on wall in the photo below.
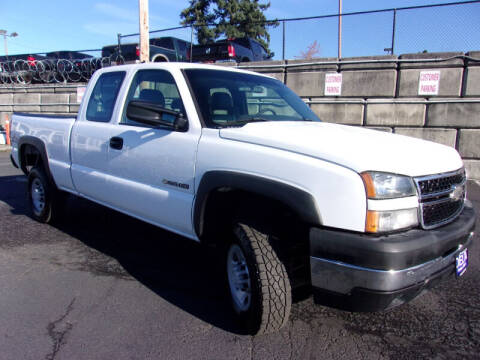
(80, 93)
(333, 84)
(429, 82)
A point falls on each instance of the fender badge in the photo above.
(176, 184)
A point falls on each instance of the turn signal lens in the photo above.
(372, 222)
(369, 184)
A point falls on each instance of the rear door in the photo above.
(152, 172)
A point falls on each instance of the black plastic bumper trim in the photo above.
(395, 251)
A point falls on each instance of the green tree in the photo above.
(200, 12)
(232, 18)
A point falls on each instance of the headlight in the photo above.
(387, 186)
(384, 186)
(384, 221)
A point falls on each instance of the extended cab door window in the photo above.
(153, 86)
(103, 97)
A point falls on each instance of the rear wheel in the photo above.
(258, 281)
(44, 198)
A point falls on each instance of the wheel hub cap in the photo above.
(38, 196)
(239, 278)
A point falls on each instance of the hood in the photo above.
(357, 148)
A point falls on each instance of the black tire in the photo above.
(270, 301)
(41, 188)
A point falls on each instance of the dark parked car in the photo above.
(27, 57)
(236, 49)
(161, 49)
(68, 55)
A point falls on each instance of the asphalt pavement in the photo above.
(101, 285)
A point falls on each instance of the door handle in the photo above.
(116, 143)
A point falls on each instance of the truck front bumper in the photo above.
(362, 272)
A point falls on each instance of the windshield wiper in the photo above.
(245, 121)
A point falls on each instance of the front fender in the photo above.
(301, 202)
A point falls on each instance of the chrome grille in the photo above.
(440, 184)
(441, 198)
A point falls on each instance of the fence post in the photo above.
(191, 42)
(283, 41)
(339, 29)
(119, 40)
(393, 29)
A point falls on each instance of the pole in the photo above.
(191, 43)
(5, 45)
(283, 42)
(393, 29)
(144, 40)
(339, 29)
(119, 39)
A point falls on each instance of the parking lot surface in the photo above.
(101, 285)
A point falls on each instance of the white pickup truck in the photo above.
(236, 160)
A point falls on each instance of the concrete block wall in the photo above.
(58, 99)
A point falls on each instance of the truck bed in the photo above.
(54, 131)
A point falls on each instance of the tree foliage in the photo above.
(231, 18)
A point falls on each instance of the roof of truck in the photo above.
(179, 66)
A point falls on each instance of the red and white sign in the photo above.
(333, 84)
(80, 93)
(429, 82)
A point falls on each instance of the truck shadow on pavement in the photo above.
(179, 270)
(182, 272)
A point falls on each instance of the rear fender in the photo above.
(39, 145)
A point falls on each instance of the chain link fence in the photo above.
(430, 28)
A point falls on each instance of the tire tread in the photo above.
(272, 277)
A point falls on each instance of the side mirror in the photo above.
(154, 115)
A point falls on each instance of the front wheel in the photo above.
(258, 282)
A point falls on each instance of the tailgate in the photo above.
(210, 52)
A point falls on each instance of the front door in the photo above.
(152, 172)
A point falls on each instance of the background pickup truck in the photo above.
(237, 161)
(236, 49)
(161, 49)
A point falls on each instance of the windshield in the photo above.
(229, 98)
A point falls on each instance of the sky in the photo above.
(51, 25)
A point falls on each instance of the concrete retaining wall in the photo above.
(38, 99)
(377, 92)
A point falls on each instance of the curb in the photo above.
(5, 148)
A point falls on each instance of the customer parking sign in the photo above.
(429, 82)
